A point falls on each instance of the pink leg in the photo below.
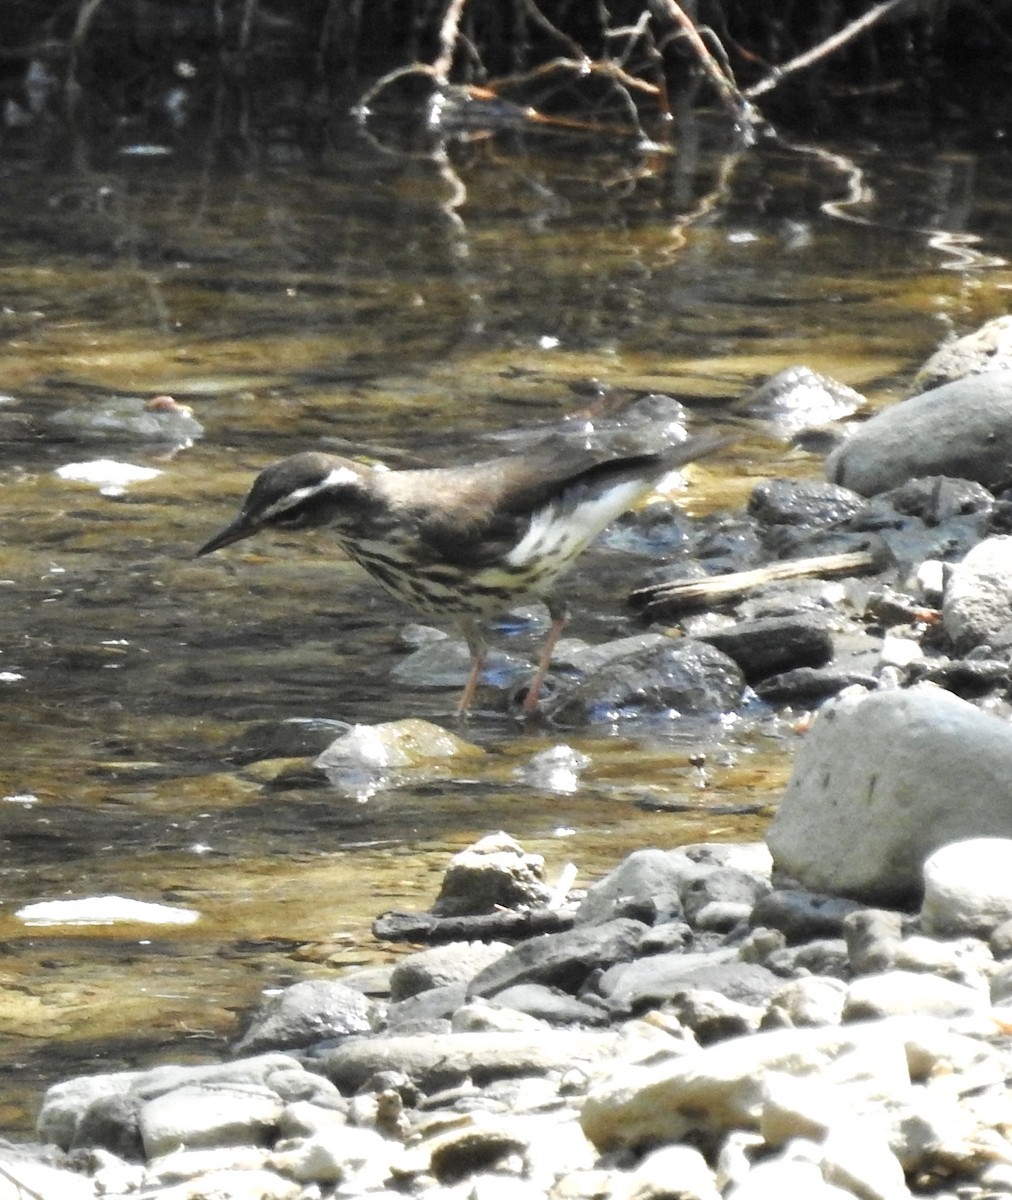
(559, 618)
(476, 644)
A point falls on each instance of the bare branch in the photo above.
(832, 43)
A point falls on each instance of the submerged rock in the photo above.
(369, 758)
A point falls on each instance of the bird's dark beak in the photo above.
(240, 528)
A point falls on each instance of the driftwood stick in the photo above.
(698, 592)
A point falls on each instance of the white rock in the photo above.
(22, 1180)
(810, 1000)
(906, 993)
(967, 960)
(932, 1131)
(805, 1108)
(949, 1060)
(785, 1179)
(968, 887)
(370, 758)
(884, 779)
(195, 1116)
(670, 1171)
(857, 1157)
(182, 1163)
(720, 1088)
(734, 1158)
(234, 1185)
(976, 603)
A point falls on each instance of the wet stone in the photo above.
(803, 502)
(808, 685)
(773, 645)
(298, 737)
(798, 397)
(687, 678)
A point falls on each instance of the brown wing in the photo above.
(481, 511)
(475, 515)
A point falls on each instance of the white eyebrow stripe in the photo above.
(337, 478)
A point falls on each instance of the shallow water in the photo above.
(290, 293)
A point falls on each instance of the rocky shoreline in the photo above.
(826, 1014)
(691, 1029)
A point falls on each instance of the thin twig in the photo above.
(832, 43)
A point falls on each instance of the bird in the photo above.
(466, 541)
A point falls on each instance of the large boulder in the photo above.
(962, 429)
(882, 780)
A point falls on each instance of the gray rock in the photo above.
(562, 960)
(65, 1106)
(429, 1009)
(439, 966)
(495, 872)
(824, 956)
(1000, 940)
(880, 782)
(647, 982)
(713, 1016)
(209, 1116)
(687, 678)
(962, 429)
(722, 916)
(314, 1010)
(772, 645)
(433, 1063)
(551, 1005)
(964, 960)
(725, 885)
(802, 916)
(644, 886)
(976, 608)
(803, 502)
(717, 1088)
(482, 1016)
(873, 938)
(812, 1000)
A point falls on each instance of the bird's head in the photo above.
(303, 491)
